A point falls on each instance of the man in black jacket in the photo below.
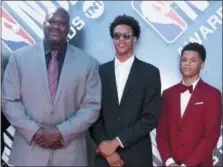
(131, 97)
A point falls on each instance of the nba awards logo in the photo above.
(168, 18)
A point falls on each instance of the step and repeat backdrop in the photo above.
(166, 27)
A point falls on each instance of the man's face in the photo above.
(123, 39)
(191, 64)
(56, 28)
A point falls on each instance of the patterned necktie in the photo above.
(53, 74)
(183, 88)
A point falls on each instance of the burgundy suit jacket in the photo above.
(190, 140)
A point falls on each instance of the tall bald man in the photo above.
(51, 95)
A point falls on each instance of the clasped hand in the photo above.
(107, 149)
(48, 136)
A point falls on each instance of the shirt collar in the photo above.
(194, 83)
(129, 61)
(48, 47)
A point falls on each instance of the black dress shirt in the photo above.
(61, 55)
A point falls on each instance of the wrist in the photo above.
(115, 143)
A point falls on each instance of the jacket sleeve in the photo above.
(162, 136)
(97, 130)
(89, 110)
(212, 131)
(12, 104)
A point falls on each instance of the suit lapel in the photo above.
(113, 81)
(195, 95)
(65, 72)
(42, 68)
(132, 79)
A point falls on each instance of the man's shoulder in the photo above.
(145, 66)
(27, 48)
(81, 55)
(107, 67)
(209, 89)
(26, 51)
(172, 89)
(75, 49)
(107, 64)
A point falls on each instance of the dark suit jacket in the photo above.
(191, 139)
(4, 122)
(135, 117)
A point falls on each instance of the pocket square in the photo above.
(198, 103)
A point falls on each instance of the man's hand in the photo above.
(56, 146)
(39, 138)
(174, 164)
(108, 147)
(48, 136)
(114, 160)
(52, 136)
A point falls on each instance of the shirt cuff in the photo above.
(121, 145)
(169, 161)
(183, 165)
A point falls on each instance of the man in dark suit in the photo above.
(190, 122)
(131, 99)
(4, 122)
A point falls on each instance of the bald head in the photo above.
(61, 12)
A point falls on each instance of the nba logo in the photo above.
(13, 35)
(161, 18)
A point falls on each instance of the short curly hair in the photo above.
(193, 46)
(126, 20)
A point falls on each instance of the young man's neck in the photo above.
(123, 57)
(190, 80)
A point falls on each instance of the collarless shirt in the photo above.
(122, 70)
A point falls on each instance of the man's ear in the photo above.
(134, 39)
(202, 65)
(44, 23)
(68, 27)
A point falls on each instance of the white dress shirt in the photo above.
(184, 99)
(122, 70)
